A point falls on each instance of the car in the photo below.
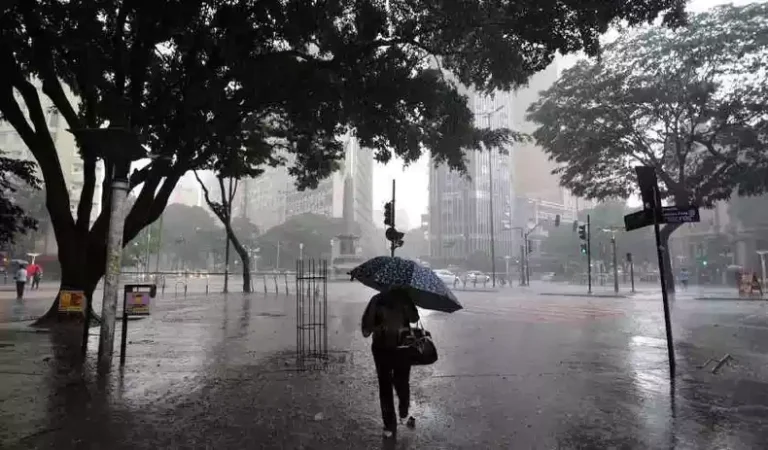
(477, 276)
(548, 276)
(446, 276)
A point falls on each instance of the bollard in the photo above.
(206, 286)
(185, 290)
(265, 284)
(287, 291)
(277, 290)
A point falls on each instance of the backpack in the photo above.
(390, 322)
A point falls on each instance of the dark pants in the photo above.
(36, 283)
(393, 371)
(20, 289)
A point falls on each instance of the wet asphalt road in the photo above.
(516, 370)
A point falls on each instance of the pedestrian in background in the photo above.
(21, 281)
(388, 316)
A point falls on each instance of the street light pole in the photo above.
(615, 266)
(123, 147)
(490, 199)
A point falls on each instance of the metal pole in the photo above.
(277, 262)
(226, 263)
(615, 266)
(147, 252)
(490, 210)
(392, 244)
(112, 274)
(229, 194)
(589, 255)
(124, 337)
(664, 298)
(632, 273)
(159, 245)
(522, 265)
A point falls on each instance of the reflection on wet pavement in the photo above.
(514, 372)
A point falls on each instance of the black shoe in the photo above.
(409, 421)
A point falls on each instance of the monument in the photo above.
(348, 257)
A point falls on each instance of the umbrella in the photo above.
(426, 289)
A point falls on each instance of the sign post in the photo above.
(136, 300)
(664, 296)
(655, 214)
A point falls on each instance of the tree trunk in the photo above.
(74, 278)
(243, 253)
(664, 235)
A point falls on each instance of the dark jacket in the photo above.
(386, 315)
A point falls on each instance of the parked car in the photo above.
(446, 276)
(476, 275)
(548, 276)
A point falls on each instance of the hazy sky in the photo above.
(413, 181)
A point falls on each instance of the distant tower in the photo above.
(348, 258)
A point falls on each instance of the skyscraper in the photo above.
(272, 198)
(460, 208)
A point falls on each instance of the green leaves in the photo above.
(690, 102)
(17, 181)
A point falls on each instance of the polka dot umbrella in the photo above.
(427, 289)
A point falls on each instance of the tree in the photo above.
(16, 178)
(308, 235)
(606, 221)
(184, 75)
(691, 103)
(189, 235)
(31, 199)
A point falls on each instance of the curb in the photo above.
(744, 299)
(566, 294)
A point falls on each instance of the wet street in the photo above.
(517, 369)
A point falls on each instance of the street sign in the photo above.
(72, 301)
(680, 214)
(638, 219)
(137, 303)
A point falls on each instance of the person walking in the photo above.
(684, 277)
(21, 281)
(37, 276)
(387, 317)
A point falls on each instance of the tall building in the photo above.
(272, 198)
(460, 208)
(71, 163)
(525, 192)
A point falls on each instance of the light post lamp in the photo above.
(119, 146)
(301, 251)
(487, 116)
(33, 256)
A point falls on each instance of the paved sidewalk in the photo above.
(515, 371)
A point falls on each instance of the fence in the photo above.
(179, 284)
(311, 313)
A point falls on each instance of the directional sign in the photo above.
(638, 219)
(680, 214)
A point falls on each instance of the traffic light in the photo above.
(583, 232)
(583, 249)
(529, 246)
(389, 215)
(394, 236)
(557, 220)
(629, 257)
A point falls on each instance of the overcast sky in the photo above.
(413, 181)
